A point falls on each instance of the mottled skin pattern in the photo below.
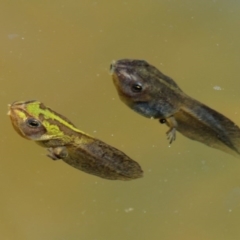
(34, 121)
(149, 92)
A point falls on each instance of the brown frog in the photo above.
(152, 94)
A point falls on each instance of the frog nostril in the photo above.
(112, 67)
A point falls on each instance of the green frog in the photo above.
(146, 90)
(34, 121)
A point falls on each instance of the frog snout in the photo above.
(112, 67)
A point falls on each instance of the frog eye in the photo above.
(32, 122)
(162, 120)
(137, 87)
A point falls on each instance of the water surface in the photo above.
(59, 53)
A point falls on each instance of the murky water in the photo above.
(59, 53)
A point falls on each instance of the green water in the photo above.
(59, 52)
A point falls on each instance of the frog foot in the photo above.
(57, 153)
(171, 135)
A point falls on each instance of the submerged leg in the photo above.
(57, 153)
(172, 123)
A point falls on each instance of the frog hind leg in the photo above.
(57, 153)
(172, 123)
(171, 135)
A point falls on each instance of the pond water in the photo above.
(59, 52)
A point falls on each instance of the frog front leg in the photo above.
(172, 123)
(57, 153)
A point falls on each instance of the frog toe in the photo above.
(171, 135)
